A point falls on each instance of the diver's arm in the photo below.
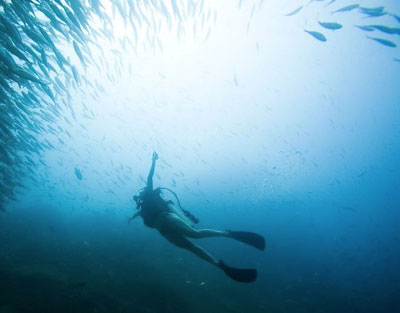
(135, 215)
(151, 173)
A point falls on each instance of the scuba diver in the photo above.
(176, 228)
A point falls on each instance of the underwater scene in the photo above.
(192, 156)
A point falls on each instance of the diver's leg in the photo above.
(238, 274)
(203, 254)
(181, 242)
(202, 233)
(177, 224)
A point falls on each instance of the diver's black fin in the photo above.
(243, 275)
(249, 238)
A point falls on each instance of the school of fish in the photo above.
(374, 12)
(37, 79)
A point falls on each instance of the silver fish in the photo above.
(347, 8)
(384, 42)
(330, 25)
(294, 11)
(317, 35)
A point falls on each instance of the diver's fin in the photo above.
(249, 238)
(243, 275)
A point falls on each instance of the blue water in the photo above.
(260, 127)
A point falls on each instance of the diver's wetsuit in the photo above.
(152, 207)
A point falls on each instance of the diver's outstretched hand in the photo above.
(155, 156)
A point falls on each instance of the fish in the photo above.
(347, 8)
(386, 29)
(35, 36)
(397, 17)
(396, 59)
(11, 30)
(376, 14)
(330, 25)
(365, 28)
(48, 14)
(362, 174)
(13, 49)
(78, 173)
(330, 2)
(48, 92)
(27, 76)
(384, 42)
(58, 12)
(311, 1)
(80, 12)
(7, 59)
(373, 12)
(294, 11)
(317, 35)
(79, 53)
(75, 74)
